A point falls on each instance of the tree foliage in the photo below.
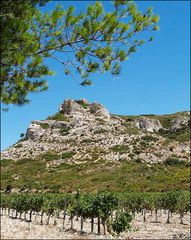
(91, 41)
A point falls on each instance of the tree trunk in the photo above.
(181, 218)
(54, 223)
(20, 215)
(82, 224)
(168, 217)
(16, 214)
(41, 218)
(98, 225)
(25, 216)
(71, 219)
(64, 217)
(160, 212)
(144, 215)
(48, 219)
(92, 225)
(12, 211)
(30, 216)
(9, 215)
(133, 213)
(104, 228)
(151, 212)
(156, 217)
(35, 216)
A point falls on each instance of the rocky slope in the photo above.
(83, 131)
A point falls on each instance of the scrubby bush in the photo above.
(44, 125)
(50, 156)
(174, 161)
(64, 131)
(149, 138)
(120, 148)
(67, 155)
(19, 145)
(58, 116)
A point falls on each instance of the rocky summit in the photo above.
(88, 132)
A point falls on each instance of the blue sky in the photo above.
(154, 80)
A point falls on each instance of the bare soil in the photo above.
(19, 229)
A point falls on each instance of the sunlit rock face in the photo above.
(71, 107)
(149, 125)
(180, 122)
(75, 107)
(99, 110)
(34, 131)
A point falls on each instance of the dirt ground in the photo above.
(19, 229)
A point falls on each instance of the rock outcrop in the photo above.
(99, 110)
(71, 107)
(34, 131)
(81, 107)
(180, 122)
(149, 125)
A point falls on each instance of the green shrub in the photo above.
(166, 122)
(174, 161)
(82, 104)
(50, 156)
(144, 144)
(5, 162)
(64, 131)
(22, 135)
(181, 135)
(44, 125)
(137, 151)
(131, 155)
(158, 155)
(130, 130)
(149, 138)
(67, 155)
(120, 148)
(19, 145)
(138, 160)
(58, 116)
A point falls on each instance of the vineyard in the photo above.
(103, 212)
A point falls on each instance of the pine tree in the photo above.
(88, 42)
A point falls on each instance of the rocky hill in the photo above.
(82, 133)
(86, 130)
